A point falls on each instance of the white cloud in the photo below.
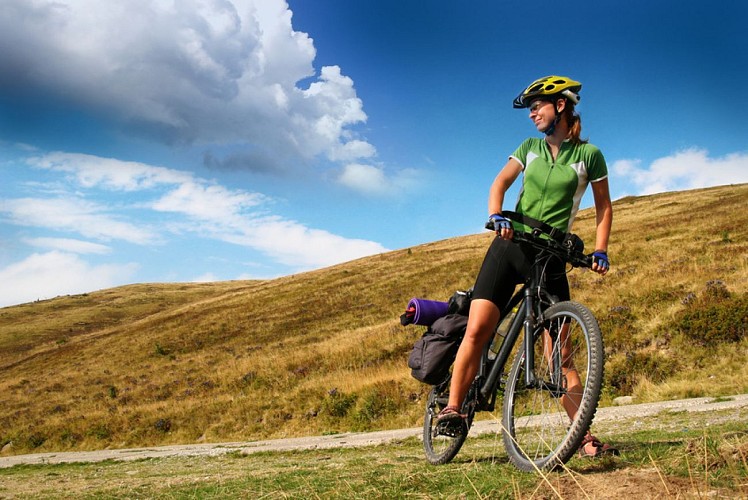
(207, 209)
(205, 278)
(298, 246)
(238, 217)
(202, 71)
(93, 171)
(69, 245)
(76, 215)
(688, 169)
(337, 107)
(207, 202)
(47, 275)
(352, 150)
(372, 180)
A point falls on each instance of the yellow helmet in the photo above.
(549, 86)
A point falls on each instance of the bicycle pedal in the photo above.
(450, 429)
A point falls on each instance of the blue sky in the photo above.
(172, 141)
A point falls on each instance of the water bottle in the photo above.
(501, 332)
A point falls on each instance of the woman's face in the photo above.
(542, 114)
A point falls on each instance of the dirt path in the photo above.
(609, 415)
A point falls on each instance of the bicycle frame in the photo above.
(529, 300)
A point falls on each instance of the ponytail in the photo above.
(575, 124)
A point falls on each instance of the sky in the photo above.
(204, 140)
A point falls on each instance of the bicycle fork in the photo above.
(551, 351)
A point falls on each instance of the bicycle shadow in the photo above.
(578, 464)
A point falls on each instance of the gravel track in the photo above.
(609, 414)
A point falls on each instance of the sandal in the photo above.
(450, 414)
(600, 449)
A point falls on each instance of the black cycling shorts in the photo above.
(508, 264)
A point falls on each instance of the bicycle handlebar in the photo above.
(566, 250)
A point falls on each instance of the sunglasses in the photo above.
(536, 105)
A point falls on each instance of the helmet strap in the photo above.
(552, 127)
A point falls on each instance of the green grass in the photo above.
(670, 455)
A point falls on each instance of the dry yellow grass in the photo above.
(324, 352)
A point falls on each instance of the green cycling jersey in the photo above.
(552, 189)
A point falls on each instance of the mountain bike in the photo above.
(551, 391)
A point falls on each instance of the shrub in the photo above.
(623, 372)
(161, 350)
(100, 431)
(378, 402)
(163, 425)
(337, 404)
(715, 317)
(619, 329)
(69, 438)
(716, 290)
(36, 440)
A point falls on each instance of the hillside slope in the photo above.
(323, 351)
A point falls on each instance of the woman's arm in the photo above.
(604, 215)
(500, 185)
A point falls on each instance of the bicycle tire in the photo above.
(441, 445)
(538, 433)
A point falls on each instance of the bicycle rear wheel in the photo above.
(441, 443)
(544, 424)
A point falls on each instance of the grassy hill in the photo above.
(324, 352)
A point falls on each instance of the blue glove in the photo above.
(601, 258)
(499, 222)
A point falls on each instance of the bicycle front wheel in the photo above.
(544, 422)
(441, 443)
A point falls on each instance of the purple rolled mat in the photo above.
(427, 311)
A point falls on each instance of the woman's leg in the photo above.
(483, 318)
(573, 397)
(558, 285)
(494, 285)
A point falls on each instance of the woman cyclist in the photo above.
(557, 169)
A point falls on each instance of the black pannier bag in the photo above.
(435, 351)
